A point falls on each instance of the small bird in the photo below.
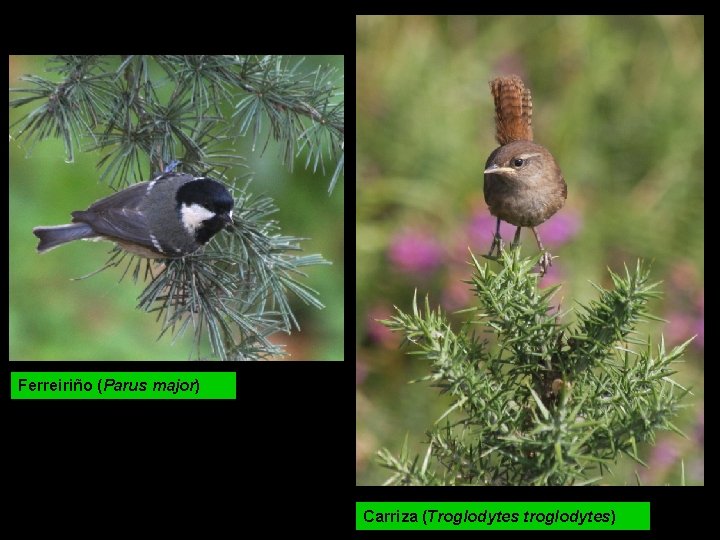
(524, 185)
(170, 216)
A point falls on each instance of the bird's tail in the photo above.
(52, 237)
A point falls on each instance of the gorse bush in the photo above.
(536, 400)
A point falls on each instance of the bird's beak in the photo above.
(227, 218)
(497, 169)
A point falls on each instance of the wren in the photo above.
(524, 185)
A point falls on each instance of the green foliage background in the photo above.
(54, 318)
(618, 100)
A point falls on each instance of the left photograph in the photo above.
(210, 189)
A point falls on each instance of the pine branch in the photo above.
(235, 292)
(121, 112)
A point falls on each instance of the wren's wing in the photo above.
(119, 216)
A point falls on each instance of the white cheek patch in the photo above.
(194, 215)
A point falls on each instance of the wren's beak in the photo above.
(497, 169)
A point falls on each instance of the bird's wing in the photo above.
(128, 224)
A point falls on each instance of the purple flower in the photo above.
(699, 329)
(560, 228)
(699, 326)
(684, 276)
(553, 276)
(687, 305)
(664, 455)
(556, 231)
(680, 326)
(378, 332)
(456, 294)
(414, 251)
(482, 229)
(699, 431)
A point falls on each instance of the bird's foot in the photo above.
(497, 244)
(545, 262)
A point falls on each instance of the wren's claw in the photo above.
(545, 262)
(497, 243)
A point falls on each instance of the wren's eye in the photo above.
(518, 162)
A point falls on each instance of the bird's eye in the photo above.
(518, 162)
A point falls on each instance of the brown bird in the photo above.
(523, 183)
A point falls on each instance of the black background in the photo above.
(279, 458)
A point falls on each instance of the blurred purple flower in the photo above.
(686, 305)
(560, 228)
(378, 332)
(699, 431)
(699, 329)
(696, 467)
(700, 321)
(680, 326)
(414, 251)
(482, 228)
(664, 454)
(684, 276)
(663, 457)
(553, 276)
(554, 232)
(456, 294)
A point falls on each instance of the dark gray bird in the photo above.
(170, 216)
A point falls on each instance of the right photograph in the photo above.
(530, 250)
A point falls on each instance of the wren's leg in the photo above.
(497, 241)
(537, 238)
(546, 259)
(516, 240)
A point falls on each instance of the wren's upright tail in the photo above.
(513, 110)
(52, 237)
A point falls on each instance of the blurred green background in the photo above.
(54, 318)
(618, 101)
